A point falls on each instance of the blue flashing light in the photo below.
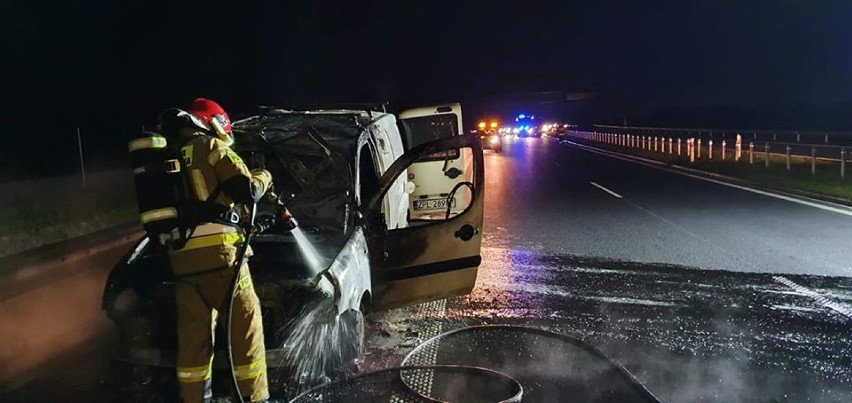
(521, 116)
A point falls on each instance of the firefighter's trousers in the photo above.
(200, 300)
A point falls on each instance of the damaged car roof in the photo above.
(341, 129)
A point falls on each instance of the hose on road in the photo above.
(493, 363)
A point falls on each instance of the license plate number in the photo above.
(432, 204)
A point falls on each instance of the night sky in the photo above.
(113, 64)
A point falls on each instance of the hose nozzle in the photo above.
(288, 220)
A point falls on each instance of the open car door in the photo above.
(432, 176)
(434, 259)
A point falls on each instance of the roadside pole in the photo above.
(751, 153)
(690, 147)
(739, 147)
(80, 149)
(813, 160)
(766, 147)
(788, 157)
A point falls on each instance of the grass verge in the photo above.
(40, 212)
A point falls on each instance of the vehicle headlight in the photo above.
(495, 140)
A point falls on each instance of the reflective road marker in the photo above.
(606, 190)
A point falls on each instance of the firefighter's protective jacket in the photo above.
(205, 266)
(216, 170)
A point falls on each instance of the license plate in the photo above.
(432, 204)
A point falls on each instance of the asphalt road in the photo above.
(703, 291)
(543, 195)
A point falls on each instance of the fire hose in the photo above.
(250, 229)
(493, 363)
(238, 265)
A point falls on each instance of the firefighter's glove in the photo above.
(263, 223)
(262, 178)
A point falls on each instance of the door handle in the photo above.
(453, 172)
(466, 232)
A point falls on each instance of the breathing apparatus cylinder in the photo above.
(160, 185)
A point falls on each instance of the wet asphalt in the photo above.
(703, 292)
(540, 196)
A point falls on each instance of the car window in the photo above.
(450, 200)
(424, 129)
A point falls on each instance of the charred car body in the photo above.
(344, 175)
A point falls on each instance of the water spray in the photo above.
(308, 251)
(306, 248)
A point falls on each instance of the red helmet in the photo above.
(214, 117)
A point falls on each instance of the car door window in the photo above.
(436, 175)
(424, 129)
(447, 199)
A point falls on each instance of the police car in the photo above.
(352, 179)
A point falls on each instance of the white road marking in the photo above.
(629, 158)
(820, 206)
(670, 223)
(606, 190)
(816, 296)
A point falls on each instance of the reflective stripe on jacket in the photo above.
(210, 164)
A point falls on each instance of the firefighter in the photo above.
(204, 265)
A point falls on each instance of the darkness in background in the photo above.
(109, 67)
